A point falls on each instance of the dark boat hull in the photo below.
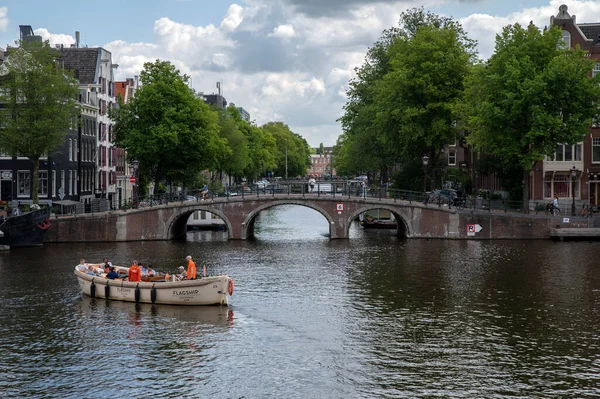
(379, 224)
(25, 230)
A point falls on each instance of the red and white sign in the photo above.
(473, 228)
(339, 207)
(132, 179)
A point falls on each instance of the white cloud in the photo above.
(302, 79)
(233, 19)
(3, 18)
(283, 31)
(55, 38)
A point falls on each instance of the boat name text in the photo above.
(185, 292)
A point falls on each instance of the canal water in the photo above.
(370, 317)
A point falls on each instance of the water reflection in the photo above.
(369, 317)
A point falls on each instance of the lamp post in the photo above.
(425, 162)
(573, 177)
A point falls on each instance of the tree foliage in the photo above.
(298, 150)
(400, 105)
(172, 133)
(40, 104)
(530, 95)
(262, 150)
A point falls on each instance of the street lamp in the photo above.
(425, 162)
(573, 177)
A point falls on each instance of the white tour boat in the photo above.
(211, 290)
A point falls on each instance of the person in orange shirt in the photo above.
(135, 272)
(191, 268)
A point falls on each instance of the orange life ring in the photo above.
(230, 286)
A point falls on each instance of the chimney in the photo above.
(77, 39)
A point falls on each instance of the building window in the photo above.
(596, 149)
(75, 182)
(53, 183)
(452, 158)
(43, 183)
(71, 182)
(568, 153)
(70, 149)
(596, 69)
(75, 150)
(566, 39)
(23, 183)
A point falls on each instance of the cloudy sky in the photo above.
(282, 60)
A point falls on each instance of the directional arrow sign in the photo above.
(478, 228)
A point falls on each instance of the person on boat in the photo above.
(92, 271)
(135, 272)
(112, 274)
(106, 263)
(181, 275)
(150, 271)
(191, 268)
(143, 269)
(82, 267)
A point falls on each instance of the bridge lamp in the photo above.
(425, 163)
(574, 172)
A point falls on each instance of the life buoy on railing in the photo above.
(92, 289)
(230, 286)
(44, 225)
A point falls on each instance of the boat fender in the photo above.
(230, 286)
(137, 293)
(153, 294)
(106, 290)
(92, 289)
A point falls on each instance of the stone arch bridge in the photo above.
(415, 220)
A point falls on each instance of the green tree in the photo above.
(262, 150)
(40, 104)
(172, 133)
(235, 160)
(531, 95)
(298, 150)
(400, 104)
(416, 99)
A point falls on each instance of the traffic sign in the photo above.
(473, 228)
(339, 207)
(132, 179)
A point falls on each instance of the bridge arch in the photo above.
(248, 223)
(404, 228)
(176, 226)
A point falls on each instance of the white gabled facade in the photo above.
(105, 161)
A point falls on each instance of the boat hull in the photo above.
(25, 230)
(203, 291)
(379, 224)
